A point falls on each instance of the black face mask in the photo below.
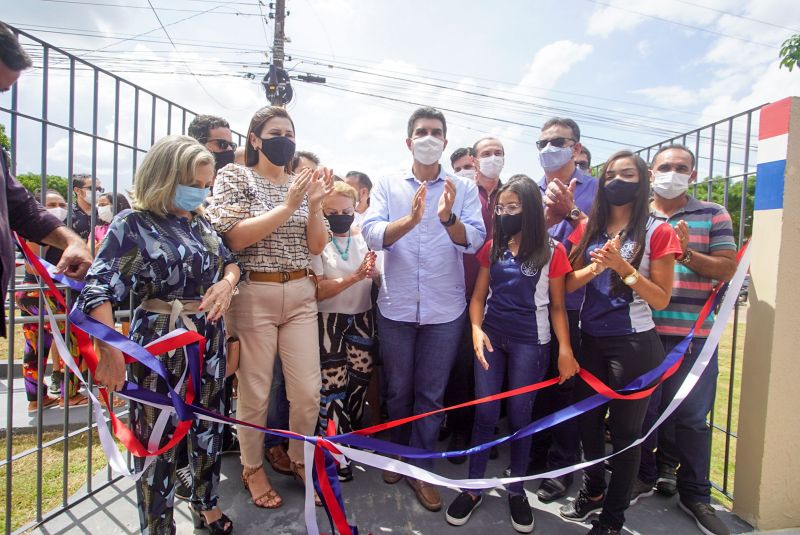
(340, 223)
(511, 223)
(620, 192)
(221, 159)
(279, 150)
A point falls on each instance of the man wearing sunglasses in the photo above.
(215, 133)
(568, 192)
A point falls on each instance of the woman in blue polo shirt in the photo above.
(522, 273)
(625, 259)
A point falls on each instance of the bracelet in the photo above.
(233, 288)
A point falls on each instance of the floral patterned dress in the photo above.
(166, 258)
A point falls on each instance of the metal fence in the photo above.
(64, 117)
(726, 168)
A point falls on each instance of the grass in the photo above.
(720, 413)
(24, 487)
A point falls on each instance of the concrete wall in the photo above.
(767, 458)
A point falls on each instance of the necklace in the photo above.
(343, 254)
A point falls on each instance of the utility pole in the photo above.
(276, 82)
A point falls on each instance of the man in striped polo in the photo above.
(709, 255)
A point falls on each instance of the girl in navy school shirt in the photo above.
(522, 273)
(626, 259)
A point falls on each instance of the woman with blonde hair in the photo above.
(273, 222)
(345, 270)
(167, 253)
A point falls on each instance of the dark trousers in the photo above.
(417, 360)
(278, 411)
(615, 360)
(521, 364)
(691, 445)
(560, 445)
(461, 386)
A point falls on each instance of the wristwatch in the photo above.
(574, 214)
(631, 279)
(450, 221)
(686, 258)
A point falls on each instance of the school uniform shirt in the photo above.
(519, 295)
(604, 314)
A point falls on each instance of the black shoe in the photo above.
(640, 489)
(705, 517)
(457, 442)
(444, 432)
(553, 488)
(581, 507)
(345, 473)
(221, 526)
(597, 529)
(183, 483)
(461, 509)
(667, 482)
(521, 513)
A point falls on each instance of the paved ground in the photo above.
(371, 504)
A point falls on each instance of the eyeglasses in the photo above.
(582, 165)
(510, 208)
(223, 144)
(556, 142)
(98, 190)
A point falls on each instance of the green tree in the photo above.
(790, 52)
(4, 141)
(33, 182)
(734, 204)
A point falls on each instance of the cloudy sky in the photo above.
(631, 73)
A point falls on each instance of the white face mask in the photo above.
(60, 213)
(427, 150)
(105, 213)
(87, 196)
(554, 158)
(491, 166)
(670, 185)
(469, 174)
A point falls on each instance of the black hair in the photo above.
(588, 154)
(11, 52)
(636, 231)
(260, 118)
(363, 179)
(534, 246)
(122, 201)
(81, 180)
(308, 155)
(672, 146)
(201, 125)
(426, 113)
(460, 153)
(568, 123)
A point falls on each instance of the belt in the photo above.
(279, 276)
(175, 309)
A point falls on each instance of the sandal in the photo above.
(222, 526)
(267, 500)
(279, 460)
(299, 471)
(47, 402)
(78, 400)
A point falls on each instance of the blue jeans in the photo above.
(522, 364)
(692, 441)
(278, 412)
(417, 360)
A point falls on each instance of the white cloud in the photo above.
(551, 63)
(669, 95)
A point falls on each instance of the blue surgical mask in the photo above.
(553, 158)
(188, 198)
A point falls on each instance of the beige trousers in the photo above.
(274, 319)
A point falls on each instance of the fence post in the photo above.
(767, 460)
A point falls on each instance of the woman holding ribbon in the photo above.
(625, 258)
(273, 222)
(345, 270)
(167, 253)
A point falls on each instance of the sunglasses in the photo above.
(556, 142)
(583, 165)
(223, 144)
(98, 190)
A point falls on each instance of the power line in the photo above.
(723, 12)
(130, 6)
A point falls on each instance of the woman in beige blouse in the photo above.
(273, 223)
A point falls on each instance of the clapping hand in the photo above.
(447, 200)
(418, 204)
(609, 257)
(320, 186)
(298, 189)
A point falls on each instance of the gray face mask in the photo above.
(554, 158)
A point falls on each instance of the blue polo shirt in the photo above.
(584, 194)
(517, 306)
